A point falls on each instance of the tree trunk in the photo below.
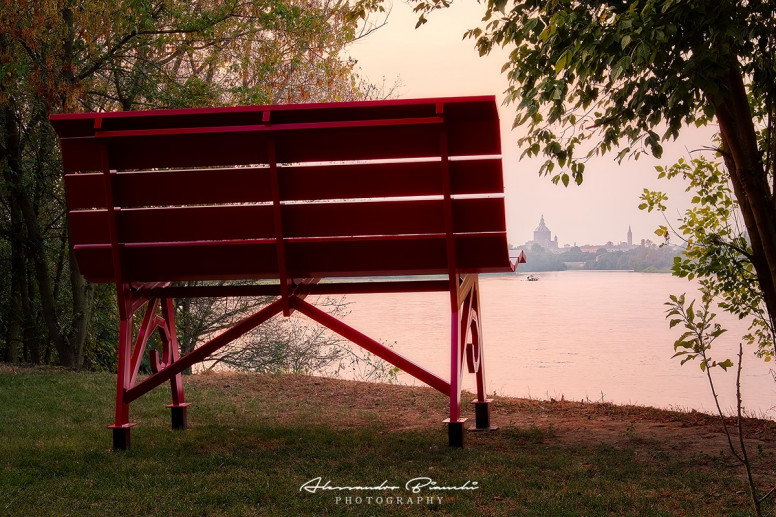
(83, 295)
(750, 181)
(34, 342)
(14, 343)
(35, 242)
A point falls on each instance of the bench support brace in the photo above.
(131, 354)
(169, 366)
(466, 351)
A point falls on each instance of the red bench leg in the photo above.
(466, 345)
(129, 364)
(475, 359)
(481, 403)
(455, 423)
(170, 354)
(121, 425)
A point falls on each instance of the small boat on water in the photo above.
(532, 278)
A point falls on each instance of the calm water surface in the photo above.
(582, 335)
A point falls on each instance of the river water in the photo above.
(581, 335)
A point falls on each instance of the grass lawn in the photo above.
(254, 440)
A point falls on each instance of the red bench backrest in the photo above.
(359, 188)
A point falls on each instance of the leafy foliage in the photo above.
(74, 55)
(588, 78)
(700, 331)
(278, 345)
(717, 251)
(620, 76)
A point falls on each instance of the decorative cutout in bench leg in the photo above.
(455, 432)
(170, 354)
(130, 358)
(474, 359)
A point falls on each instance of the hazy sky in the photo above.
(434, 61)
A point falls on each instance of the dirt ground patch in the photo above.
(572, 423)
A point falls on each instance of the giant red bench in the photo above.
(287, 196)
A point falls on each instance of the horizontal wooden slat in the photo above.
(246, 260)
(455, 109)
(212, 223)
(171, 187)
(208, 223)
(246, 185)
(391, 218)
(197, 262)
(203, 138)
(476, 176)
(391, 257)
(245, 148)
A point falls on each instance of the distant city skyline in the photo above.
(545, 237)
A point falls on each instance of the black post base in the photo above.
(455, 432)
(121, 436)
(482, 416)
(178, 415)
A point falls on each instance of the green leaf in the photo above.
(615, 73)
(560, 64)
(718, 332)
(621, 66)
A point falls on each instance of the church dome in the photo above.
(542, 227)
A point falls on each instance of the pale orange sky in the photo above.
(434, 61)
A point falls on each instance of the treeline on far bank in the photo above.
(643, 258)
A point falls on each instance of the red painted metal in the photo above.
(294, 194)
(338, 257)
(453, 278)
(277, 219)
(304, 220)
(201, 353)
(297, 182)
(371, 345)
(305, 132)
(352, 286)
(149, 324)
